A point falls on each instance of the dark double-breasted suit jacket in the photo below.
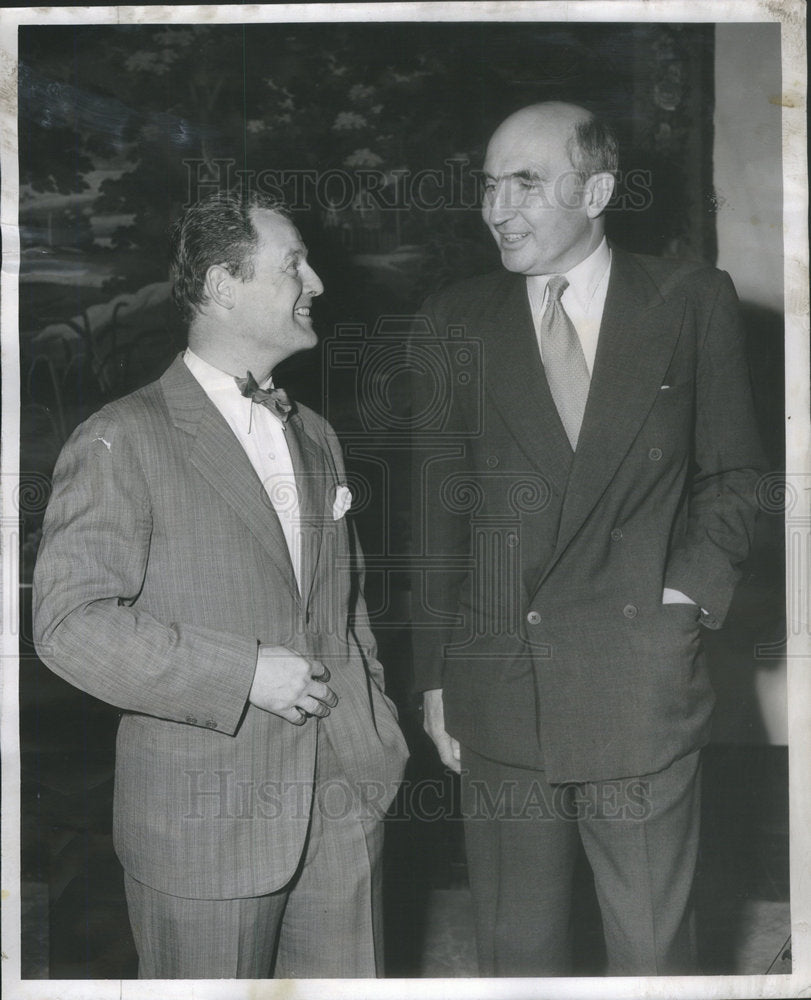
(539, 608)
(162, 566)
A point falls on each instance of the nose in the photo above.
(498, 203)
(313, 285)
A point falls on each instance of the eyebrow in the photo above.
(521, 175)
(298, 254)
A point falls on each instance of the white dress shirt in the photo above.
(583, 300)
(262, 436)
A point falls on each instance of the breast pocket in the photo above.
(671, 417)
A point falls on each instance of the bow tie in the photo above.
(276, 400)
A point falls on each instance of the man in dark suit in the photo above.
(584, 516)
(194, 572)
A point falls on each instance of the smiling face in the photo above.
(539, 212)
(272, 309)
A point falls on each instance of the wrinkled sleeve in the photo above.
(88, 626)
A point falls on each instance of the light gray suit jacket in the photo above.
(162, 567)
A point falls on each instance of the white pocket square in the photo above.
(343, 501)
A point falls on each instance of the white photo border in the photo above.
(791, 16)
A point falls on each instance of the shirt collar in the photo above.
(215, 379)
(584, 278)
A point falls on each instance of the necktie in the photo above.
(276, 400)
(564, 361)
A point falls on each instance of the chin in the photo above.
(518, 266)
(511, 267)
(306, 340)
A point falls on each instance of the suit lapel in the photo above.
(312, 479)
(637, 338)
(513, 375)
(218, 457)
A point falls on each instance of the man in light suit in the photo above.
(600, 491)
(195, 572)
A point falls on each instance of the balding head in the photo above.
(590, 144)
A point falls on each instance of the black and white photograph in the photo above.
(405, 500)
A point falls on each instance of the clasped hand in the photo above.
(291, 686)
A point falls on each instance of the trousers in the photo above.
(640, 836)
(326, 923)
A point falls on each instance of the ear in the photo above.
(597, 193)
(220, 286)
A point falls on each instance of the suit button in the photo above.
(211, 724)
(492, 461)
(512, 540)
(630, 611)
(616, 534)
(655, 454)
(534, 618)
(192, 720)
